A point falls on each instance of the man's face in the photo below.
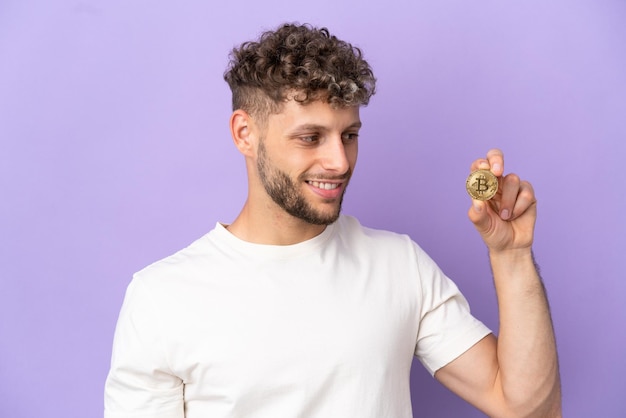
(306, 158)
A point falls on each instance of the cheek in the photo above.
(352, 153)
(293, 165)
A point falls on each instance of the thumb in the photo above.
(479, 215)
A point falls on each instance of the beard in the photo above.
(285, 193)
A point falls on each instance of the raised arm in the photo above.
(517, 374)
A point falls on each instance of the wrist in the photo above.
(511, 254)
(512, 261)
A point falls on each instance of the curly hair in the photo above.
(298, 62)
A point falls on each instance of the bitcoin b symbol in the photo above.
(481, 185)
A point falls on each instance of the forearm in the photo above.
(528, 367)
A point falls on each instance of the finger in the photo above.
(510, 186)
(478, 214)
(480, 164)
(493, 162)
(495, 157)
(525, 199)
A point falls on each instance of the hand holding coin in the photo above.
(503, 206)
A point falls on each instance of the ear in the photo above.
(241, 130)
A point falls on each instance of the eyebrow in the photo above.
(316, 127)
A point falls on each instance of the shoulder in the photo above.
(349, 228)
(380, 242)
(182, 264)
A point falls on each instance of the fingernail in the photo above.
(504, 214)
(496, 167)
(478, 207)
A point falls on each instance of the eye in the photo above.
(309, 139)
(349, 137)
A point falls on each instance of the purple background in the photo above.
(115, 152)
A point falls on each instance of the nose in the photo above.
(335, 155)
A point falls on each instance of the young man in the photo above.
(294, 310)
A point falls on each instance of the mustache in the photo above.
(319, 177)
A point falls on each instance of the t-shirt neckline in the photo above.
(265, 251)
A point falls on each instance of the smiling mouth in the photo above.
(323, 185)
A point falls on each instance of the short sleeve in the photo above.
(447, 328)
(140, 384)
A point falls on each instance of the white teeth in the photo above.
(325, 186)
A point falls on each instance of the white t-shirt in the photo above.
(324, 328)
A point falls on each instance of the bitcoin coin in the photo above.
(481, 185)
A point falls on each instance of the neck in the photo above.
(271, 227)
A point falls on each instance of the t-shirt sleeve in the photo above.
(447, 328)
(140, 383)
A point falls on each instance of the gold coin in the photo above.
(481, 185)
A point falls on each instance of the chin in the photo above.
(321, 218)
